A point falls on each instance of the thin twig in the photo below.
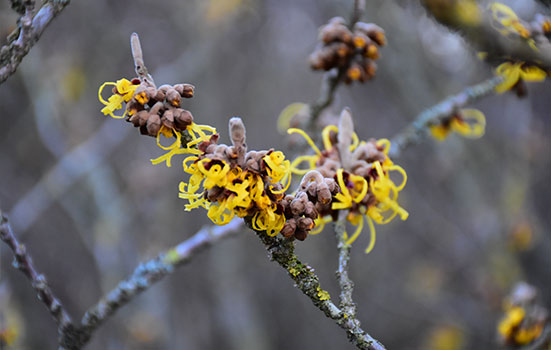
(139, 64)
(419, 129)
(143, 277)
(281, 250)
(345, 283)
(23, 262)
(31, 28)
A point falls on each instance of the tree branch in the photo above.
(143, 277)
(419, 129)
(345, 283)
(23, 262)
(30, 29)
(281, 250)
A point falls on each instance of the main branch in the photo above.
(30, 29)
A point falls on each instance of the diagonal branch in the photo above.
(30, 29)
(281, 250)
(143, 277)
(23, 262)
(419, 129)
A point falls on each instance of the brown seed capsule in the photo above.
(355, 72)
(373, 31)
(370, 69)
(153, 125)
(360, 40)
(185, 90)
(182, 118)
(310, 211)
(140, 118)
(168, 119)
(173, 97)
(301, 235)
(305, 223)
(372, 52)
(289, 228)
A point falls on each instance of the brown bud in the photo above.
(140, 118)
(153, 125)
(301, 235)
(335, 32)
(372, 52)
(289, 228)
(297, 206)
(185, 90)
(182, 118)
(173, 97)
(373, 31)
(324, 194)
(370, 69)
(305, 223)
(360, 40)
(355, 72)
(310, 211)
(168, 118)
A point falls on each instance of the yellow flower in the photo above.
(469, 123)
(198, 135)
(503, 15)
(513, 72)
(512, 320)
(123, 92)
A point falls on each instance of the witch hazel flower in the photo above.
(361, 171)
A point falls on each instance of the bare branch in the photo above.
(345, 283)
(23, 262)
(31, 28)
(418, 130)
(143, 277)
(281, 250)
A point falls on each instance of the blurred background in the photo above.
(83, 196)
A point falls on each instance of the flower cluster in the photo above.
(156, 111)
(361, 170)
(466, 122)
(353, 51)
(230, 181)
(524, 319)
(535, 33)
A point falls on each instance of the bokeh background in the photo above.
(83, 196)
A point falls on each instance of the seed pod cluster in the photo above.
(353, 51)
(313, 196)
(151, 108)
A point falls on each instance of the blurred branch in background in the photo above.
(497, 33)
(419, 129)
(31, 27)
(65, 173)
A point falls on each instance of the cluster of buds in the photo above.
(313, 196)
(352, 51)
(469, 123)
(230, 181)
(154, 110)
(525, 320)
(361, 173)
